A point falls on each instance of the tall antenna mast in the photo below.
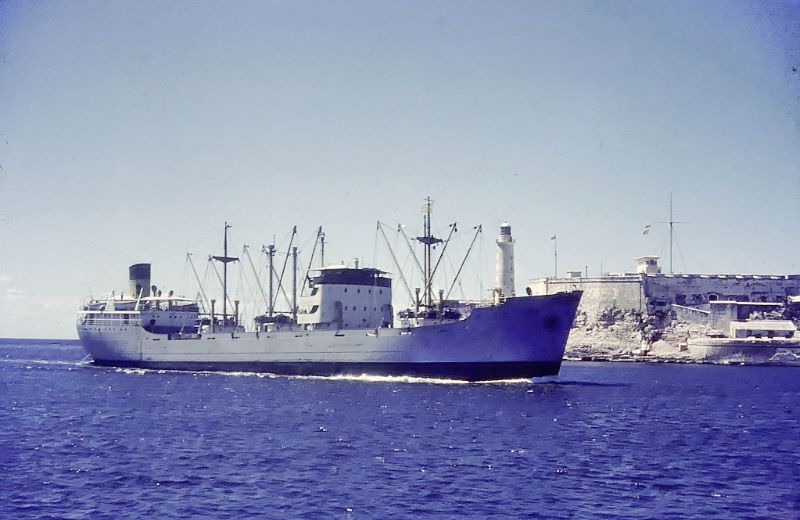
(671, 223)
(671, 233)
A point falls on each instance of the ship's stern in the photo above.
(111, 345)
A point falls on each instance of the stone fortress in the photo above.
(650, 312)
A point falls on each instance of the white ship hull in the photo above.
(523, 337)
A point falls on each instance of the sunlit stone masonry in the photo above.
(631, 313)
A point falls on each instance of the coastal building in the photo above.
(650, 292)
(722, 313)
(762, 329)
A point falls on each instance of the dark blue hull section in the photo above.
(487, 371)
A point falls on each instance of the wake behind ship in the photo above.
(343, 326)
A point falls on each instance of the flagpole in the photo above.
(555, 255)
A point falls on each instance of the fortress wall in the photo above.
(599, 294)
(691, 314)
(691, 290)
(655, 294)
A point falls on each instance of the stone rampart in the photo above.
(653, 314)
(662, 290)
(654, 294)
(599, 294)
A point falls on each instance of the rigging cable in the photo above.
(477, 232)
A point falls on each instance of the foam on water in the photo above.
(362, 378)
(41, 362)
(129, 371)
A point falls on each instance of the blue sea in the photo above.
(601, 440)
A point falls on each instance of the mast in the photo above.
(270, 250)
(428, 271)
(427, 221)
(321, 248)
(225, 259)
(225, 277)
(429, 241)
(453, 228)
(294, 283)
(216, 271)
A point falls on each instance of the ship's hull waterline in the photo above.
(523, 337)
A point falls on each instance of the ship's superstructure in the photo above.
(343, 325)
(347, 298)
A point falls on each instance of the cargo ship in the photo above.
(344, 325)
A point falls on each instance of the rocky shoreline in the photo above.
(628, 336)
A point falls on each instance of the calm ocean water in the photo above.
(599, 441)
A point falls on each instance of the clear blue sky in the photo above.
(129, 131)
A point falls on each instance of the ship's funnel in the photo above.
(139, 277)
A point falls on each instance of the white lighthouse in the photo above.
(504, 278)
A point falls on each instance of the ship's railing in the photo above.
(109, 318)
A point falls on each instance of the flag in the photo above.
(553, 237)
(646, 230)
